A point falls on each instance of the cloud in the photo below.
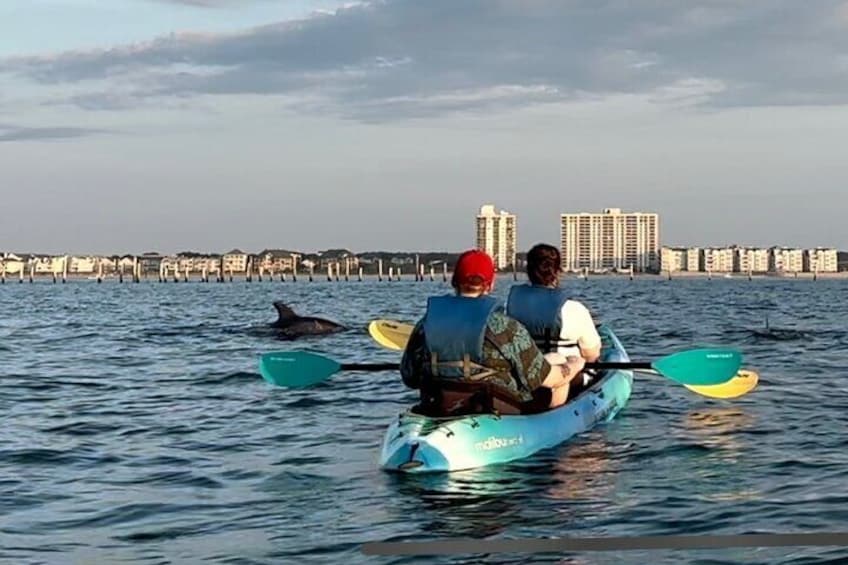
(9, 133)
(393, 59)
(210, 3)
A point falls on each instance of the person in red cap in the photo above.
(466, 356)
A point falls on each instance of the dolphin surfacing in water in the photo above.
(291, 325)
(779, 334)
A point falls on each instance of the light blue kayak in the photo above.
(419, 444)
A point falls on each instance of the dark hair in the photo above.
(544, 263)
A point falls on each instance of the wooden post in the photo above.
(329, 272)
(445, 271)
(417, 267)
(432, 273)
(360, 273)
(294, 269)
(65, 269)
(380, 270)
(311, 272)
(391, 273)
(347, 269)
(31, 273)
(99, 271)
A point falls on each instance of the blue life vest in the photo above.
(454, 329)
(539, 309)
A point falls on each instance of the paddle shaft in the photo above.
(395, 366)
(369, 366)
(620, 365)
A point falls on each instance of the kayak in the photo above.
(417, 444)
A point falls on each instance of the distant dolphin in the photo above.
(292, 325)
(779, 334)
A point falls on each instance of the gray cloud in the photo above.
(210, 3)
(403, 58)
(9, 133)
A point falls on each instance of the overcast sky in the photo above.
(169, 125)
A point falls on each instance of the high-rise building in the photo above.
(496, 235)
(611, 240)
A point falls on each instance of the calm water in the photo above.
(136, 428)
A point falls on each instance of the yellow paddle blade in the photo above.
(390, 334)
(743, 383)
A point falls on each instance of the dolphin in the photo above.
(291, 325)
(779, 334)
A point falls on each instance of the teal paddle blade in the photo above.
(296, 369)
(700, 367)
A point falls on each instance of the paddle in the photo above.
(299, 369)
(394, 335)
(744, 382)
(390, 334)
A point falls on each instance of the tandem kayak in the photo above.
(419, 444)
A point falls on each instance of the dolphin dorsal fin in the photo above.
(284, 312)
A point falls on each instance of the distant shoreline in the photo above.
(410, 276)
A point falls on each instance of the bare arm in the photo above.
(563, 370)
(583, 329)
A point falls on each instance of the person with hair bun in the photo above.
(557, 323)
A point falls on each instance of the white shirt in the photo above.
(577, 327)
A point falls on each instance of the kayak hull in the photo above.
(418, 444)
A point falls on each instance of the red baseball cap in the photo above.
(474, 267)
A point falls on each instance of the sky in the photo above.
(167, 125)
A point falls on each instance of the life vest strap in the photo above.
(481, 371)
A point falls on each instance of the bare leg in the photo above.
(559, 396)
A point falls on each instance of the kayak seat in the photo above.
(578, 386)
(458, 398)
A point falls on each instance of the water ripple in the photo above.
(137, 428)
